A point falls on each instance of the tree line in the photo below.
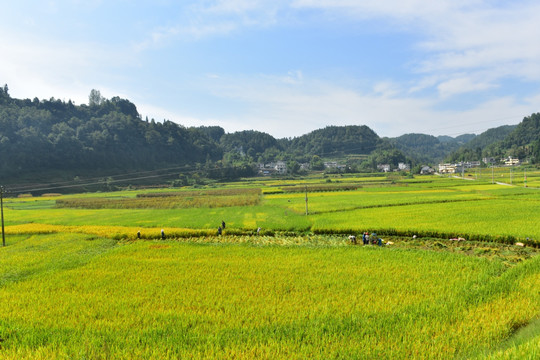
(109, 136)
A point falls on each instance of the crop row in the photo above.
(265, 236)
(204, 192)
(161, 202)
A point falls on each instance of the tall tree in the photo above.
(95, 98)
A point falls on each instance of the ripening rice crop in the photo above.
(482, 220)
(74, 296)
(171, 200)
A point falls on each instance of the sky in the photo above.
(438, 67)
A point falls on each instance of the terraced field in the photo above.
(77, 283)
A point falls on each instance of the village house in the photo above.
(383, 167)
(279, 167)
(330, 165)
(305, 166)
(404, 167)
(488, 160)
(457, 167)
(450, 168)
(511, 161)
(334, 165)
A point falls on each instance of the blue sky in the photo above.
(440, 67)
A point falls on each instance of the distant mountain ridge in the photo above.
(521, 141)
(108, 136)
(427, 148)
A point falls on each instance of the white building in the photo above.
(404, 167)
(281, 167)
(510, 161)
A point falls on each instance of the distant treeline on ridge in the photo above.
(109, 136)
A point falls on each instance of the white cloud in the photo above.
(454, 36)
(287, 110)
(462, 85)
(463, 46)
(458, 36)
(43, 67)
(387, 89)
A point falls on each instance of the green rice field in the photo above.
(77, 283)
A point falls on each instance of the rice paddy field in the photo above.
(77, 282)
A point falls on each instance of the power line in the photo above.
(70, 184)
(2, 190)
(57, 184)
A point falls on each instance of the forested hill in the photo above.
(335, 140)
(474, 149)
(106, 136)
(521, 141)
(524, 140)
(428, 148)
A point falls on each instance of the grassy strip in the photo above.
(131, 232)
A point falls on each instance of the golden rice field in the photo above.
(79, 296)
(77, 283)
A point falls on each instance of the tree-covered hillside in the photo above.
(249, 142)
(427, 148)
(335, 140)
(474, 149)
(106, 136)
(521, 141)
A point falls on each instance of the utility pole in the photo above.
(306, 202)
(525, 178)
(492, 174)
(2, 189)
(510, 176)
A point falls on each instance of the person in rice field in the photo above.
(219, 230)
(222, 224)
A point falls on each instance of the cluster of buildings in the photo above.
(280, 167)
(462, 166)
(273, 168)
(334, 165)
(387, 167)
(456, 168)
